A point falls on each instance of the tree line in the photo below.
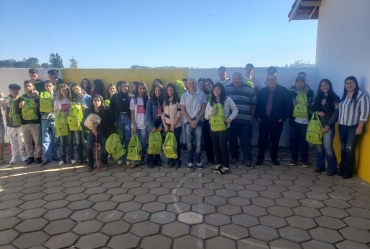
(55, 61)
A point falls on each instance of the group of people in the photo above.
(217, 114)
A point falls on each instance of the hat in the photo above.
(300, 78)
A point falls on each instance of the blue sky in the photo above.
(121, 33)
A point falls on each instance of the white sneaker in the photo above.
(24, 158)
(61, 163)
(73, 161)
(13, 160)
(119, 162)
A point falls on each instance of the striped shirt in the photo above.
(349, 114)
(243, 98)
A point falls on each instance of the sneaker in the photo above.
(190, 166)
(119, 162)
(200, 166)
(61, 163)
(224, 171)
(331, 173)
(44, 162)
(24, 158)
(13, 160)
(292, 162)
(128, 163)
(38, 160)
(30, 160)
(275, 162)
(217, 168)
(73, 161)
(305, 164)
(133, 165)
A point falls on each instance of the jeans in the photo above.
(193, 138)
(80, 145)
(220, 139)
(298, 141)
(325, 150)
(208, 142)
(91, 140)
(242, 131)
(269, 130)
(124, 122)
(141, 133)
(347, 136)
(49, 139)
(66, 141)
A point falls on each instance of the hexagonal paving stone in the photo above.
(159, 191)
(129, 206)
(238, 201)
(329, 222)
(175, 229)
(360, 223)
(190, 218)
(145, 198)
(57, 214)
(356, 234)
(181, 191)
(229, 210)
(99, 197)
(155, 242)
(213, 185)
(347, 244)
(215, 200)
(280, 211)
(248, 194)
(138, 191)
(145, 228)
(115, 227)
(88, 227)
(334, 212)
(234, 232)
(170, 198)
(282, 243)
(325, 235)
(203, 192)
(287, 202)
(61, 241)
(220, 243)
(294, 234)
(271, 194)
(217, 219)
(163, 217)
(273, 221)
(263, 202)
(104, 206)
(76, 197)
(314, 244)
(8, 223)
(29, 240)
(188, 242)
(10, 204)
(79, 205)
(32, 213)
(192, 199)
(306, 212)
(124, 241)
(31, 225)
(251, 243)
(263, 233)
(312, 203)
(7, 236)
(9, 212)
(56, 204)
(91, 241)
(359, 212)
(203, 208)
(136, 216)
(152, 207)
(59, 226)
(245, 220)
(109, 216)
(178, 207)
(301, 222)
(254, 210)
(83, 215)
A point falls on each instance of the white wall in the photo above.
(343, 42)
(286, 77)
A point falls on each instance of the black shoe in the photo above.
(346, 177)
(234, 160)
(331, 173)
(275, 162)
(30, 160)
(258, 162)
(159, 163)
(292, 162)
(45, 162)
(217, 168)
(38, 160)
(224, 171)
(318, 170)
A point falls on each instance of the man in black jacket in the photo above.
(272, 109)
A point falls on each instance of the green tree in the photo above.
(56, 61)
(45, 65)
(74, 63)
(33, 62)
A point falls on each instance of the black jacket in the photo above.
(120, 102)
(103, 127)
(281, 105)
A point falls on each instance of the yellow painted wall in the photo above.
(362, 153)
(109, 76)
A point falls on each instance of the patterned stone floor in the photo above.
(252, 208)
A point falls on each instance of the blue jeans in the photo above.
(347, 136)
(66, 141)
(298, 140)
(241, 130)
(124, 122)
(91, 140)
(194, 138)
(141, 133)
(325, 150)
(49, 139)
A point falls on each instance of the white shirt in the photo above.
(193, 103)
(139, 111)
(62, 105)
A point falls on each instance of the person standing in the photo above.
(193, 104)
(353, 114)
(244, 98)
(326, 105)
(34, 77)
(220, 138)
(272, 109)
(222, 73)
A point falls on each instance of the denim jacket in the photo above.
(151, 115)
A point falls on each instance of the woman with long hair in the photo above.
(207, 89)
(154, 121)
(138, 107)
(62, 102)
(86, 85)
(110, 91)
(98, 133)
(97, 88)
(353, 114)
(326, 106)
(220, 138)
(171, 118)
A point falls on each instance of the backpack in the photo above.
(75, 117)
(14, 117)
(155, 143)
(61, 124)
(113, 145)
(170, 146)
(314, 130)
(300, 109)
(217, 122)
(46, 102)
(106, 103)
(134, 149)
(29, 111)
